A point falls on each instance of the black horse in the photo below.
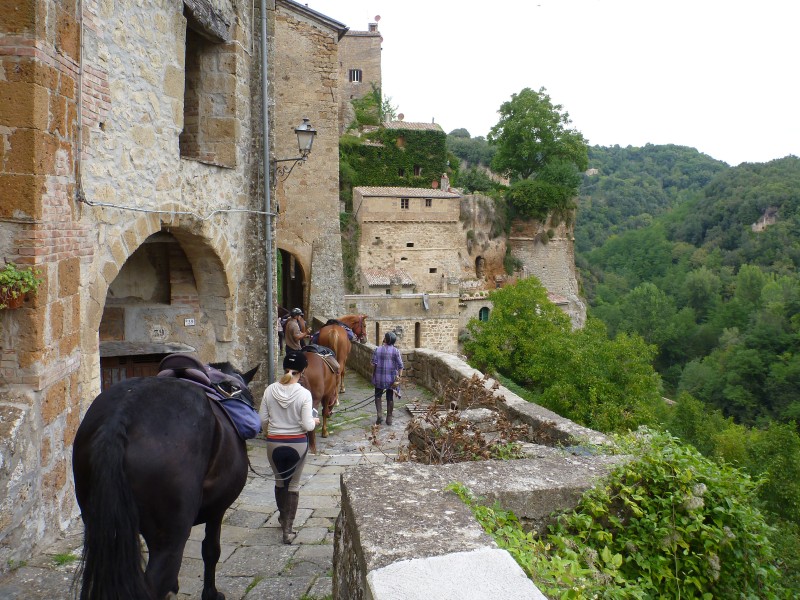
(154, 456)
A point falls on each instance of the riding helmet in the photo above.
(296, 312)
(295, 361)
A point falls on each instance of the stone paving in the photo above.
(255, 564)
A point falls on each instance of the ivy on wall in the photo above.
(390, 158)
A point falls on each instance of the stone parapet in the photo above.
(400, 534)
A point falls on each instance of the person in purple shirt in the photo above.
(387, 366)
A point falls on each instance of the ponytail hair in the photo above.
(287, 377)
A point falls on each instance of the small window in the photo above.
(404, 203)
(403, 258)
(428, 202)
(388, 291)
(417, 170)
(401, 172)
(432, 270)
(483, 314)
(409, 244)
(355, 75)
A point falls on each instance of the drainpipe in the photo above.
(267, 198)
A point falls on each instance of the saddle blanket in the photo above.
(184, 366)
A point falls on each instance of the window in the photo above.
(483, 314)
(409, 244)
(404, 203)
(432, 270)
(417, 170)
(428, 202)
(401, 172)
(355, 75)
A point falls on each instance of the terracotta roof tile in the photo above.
(383, 277)
(403, 192)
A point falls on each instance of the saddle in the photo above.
(218, 386)
(325, 353)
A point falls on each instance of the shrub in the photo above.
(668, 524)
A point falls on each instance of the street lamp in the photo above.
(305, 139)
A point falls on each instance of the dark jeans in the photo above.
(389, 394)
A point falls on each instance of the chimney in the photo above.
(395, 284)
(445, 183)
(373, 27)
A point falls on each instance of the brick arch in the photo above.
(209, 256)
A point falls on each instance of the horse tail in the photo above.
(112, 564)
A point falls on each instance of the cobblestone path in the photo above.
(255, 564)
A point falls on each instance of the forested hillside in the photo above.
(690, 269)
(625, 188)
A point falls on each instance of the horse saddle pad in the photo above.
(189, 368)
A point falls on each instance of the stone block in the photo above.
(19, 16)
(54, 402)
(69, 277)
(174, 81)
(22, 195)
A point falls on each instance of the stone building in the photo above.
(307, 198)
(413, 229)
(359, 68)
(131, 177)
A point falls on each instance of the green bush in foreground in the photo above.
(668, 524)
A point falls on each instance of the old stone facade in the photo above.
(307, 199)
(359, 68)
(551, 258)
(413, 229)
(419, 320)
(130, 177)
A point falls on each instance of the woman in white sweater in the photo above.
(286, 417)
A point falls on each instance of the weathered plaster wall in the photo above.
(422, 239)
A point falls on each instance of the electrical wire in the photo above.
(176, 212)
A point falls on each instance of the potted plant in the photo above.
(16, 283)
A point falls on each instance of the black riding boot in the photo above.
(379, 409)
(389, 409)
(280, 500)
(292, 499)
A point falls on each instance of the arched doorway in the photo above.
(291, 281)
(153, 308)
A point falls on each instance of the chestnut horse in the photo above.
(357, 324)
(322, 382)
(335, 337)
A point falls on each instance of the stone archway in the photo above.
(163, 289)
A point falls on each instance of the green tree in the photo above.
(532, 133)
(582, 375)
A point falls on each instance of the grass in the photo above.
(64, 558)
(253, 584)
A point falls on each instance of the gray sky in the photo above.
(718, 75)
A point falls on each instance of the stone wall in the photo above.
(552, 261)
(359, 50)
(405, 314)
(82, 193)
(412, 229)
(306, 85)
(427, 543)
